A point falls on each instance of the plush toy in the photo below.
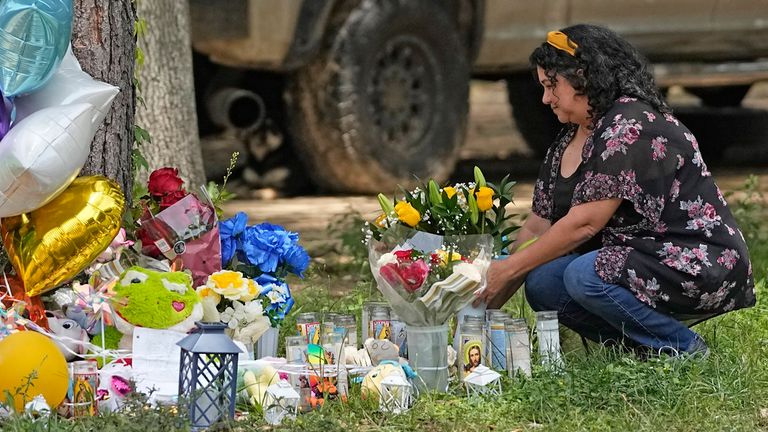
(159, 300)
(115, 382)
(381, 349)
(111, 341)
(70, 337)
(257, 377)
(372, 381)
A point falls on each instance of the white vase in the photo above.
(266, 346)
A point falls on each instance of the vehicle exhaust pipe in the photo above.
(236, 108)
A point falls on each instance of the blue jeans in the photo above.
(601, 311)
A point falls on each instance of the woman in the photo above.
(634, 235)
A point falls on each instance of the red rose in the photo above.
(409, 277)
(171, 198)
(163, 181)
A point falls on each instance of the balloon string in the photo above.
(103, 339)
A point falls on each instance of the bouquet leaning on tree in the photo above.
(430, 250)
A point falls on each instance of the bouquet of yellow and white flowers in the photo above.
(249, 307)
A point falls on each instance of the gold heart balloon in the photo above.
(52, 244)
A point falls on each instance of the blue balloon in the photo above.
(34, 35)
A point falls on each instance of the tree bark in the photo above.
(168, 89)
(103, 42)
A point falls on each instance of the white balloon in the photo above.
(42, 154)
(69, 85)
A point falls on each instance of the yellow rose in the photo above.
(228, 283)
(484, 198)
(444, 259)
(450, 191)
(210, 300)
(250, 292)
(407, 214)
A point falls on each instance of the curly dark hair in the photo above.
(604, 67)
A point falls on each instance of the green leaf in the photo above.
(474, 212)
(509, 230)
(138, 160)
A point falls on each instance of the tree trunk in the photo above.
(103, 42)
(167, 87)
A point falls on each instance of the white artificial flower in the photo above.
(251, 332)
(275, 297)
(252, 311)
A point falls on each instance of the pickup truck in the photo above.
(375, 93)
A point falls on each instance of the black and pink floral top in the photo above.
(673, 241)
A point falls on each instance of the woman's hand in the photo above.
(501, 283)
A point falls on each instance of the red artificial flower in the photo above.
(164, 181)
(414, 274)
(171, 198)
(410, 276)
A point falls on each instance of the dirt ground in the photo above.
(492, 138)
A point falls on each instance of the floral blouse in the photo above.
(673, 241)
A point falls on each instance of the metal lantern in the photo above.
(396, 394)
(483, 381)
(280, 402)
(208, 374)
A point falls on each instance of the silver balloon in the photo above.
(69, 85)
(42, 154)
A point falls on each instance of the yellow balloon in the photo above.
(52, 244)
(30, 365)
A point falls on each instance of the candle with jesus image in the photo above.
(471, 346)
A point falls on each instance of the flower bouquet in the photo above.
(176, 225)
(430, 251)
(251, 294)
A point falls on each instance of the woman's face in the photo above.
(568, 106)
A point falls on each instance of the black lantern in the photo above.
(208, 374)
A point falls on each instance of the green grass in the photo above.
(598, 390)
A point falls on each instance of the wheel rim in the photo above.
(402, 93)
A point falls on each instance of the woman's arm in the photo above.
(580, 224)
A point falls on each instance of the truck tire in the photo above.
(385, 102)
(535, 121)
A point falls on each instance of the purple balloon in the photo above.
(6, 113)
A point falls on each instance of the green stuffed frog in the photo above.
(159, 300)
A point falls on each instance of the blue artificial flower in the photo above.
(265, 244)
(297, 259)
(229, 232)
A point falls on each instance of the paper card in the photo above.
(156, 362)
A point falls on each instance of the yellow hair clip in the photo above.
(561, 41)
